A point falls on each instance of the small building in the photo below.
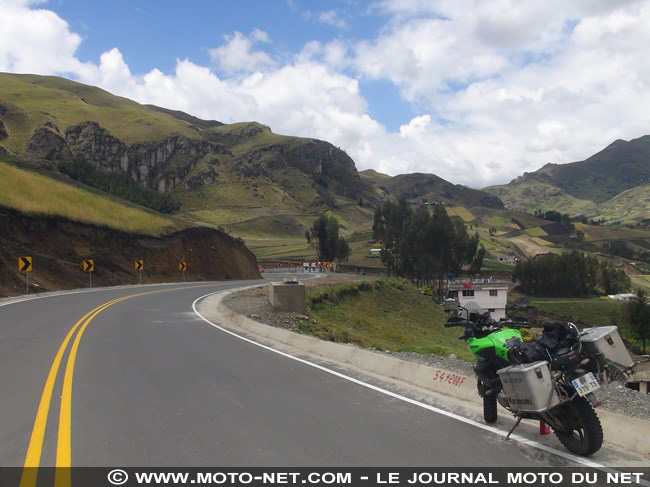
(507, 259)
(622, 297)
(376, 249)
(490, 294)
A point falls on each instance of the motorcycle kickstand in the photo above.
(519, 418)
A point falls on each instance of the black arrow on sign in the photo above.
(138, 265)
(25, 264)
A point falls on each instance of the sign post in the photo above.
(182, 266)
(139, 266)
(25, 265)
(89, 266)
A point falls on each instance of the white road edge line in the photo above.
(496, 431)
(58, 294)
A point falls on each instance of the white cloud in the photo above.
(517, 84)
(500, 87)
(34, 40)
(331, 17)
(238, 55)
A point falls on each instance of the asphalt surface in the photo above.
(154, 385)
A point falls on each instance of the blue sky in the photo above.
(475, 91)
(154, 34)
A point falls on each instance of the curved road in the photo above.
(144, 381)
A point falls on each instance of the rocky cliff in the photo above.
(161, 165)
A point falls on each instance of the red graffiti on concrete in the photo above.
(448, 378)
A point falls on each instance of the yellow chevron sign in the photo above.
(24, 264)
(139, 265)
(182, 266)
(88, 265)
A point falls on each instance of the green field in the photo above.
(387, 314)
(641, 281)
(461, 212)
(536, 232)
(31, 192)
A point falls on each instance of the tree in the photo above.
(425, 244)
(611, 280)
(342, 250)
(477, 263)
(325, 235)
(637, 313)
(568, 275)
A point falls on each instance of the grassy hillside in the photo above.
(259, 185)
(580, 188)
(28, 101)
(531, 195)
(629, 207)
(419, 188)
(34, 193)
(268, 188)
(387, 314)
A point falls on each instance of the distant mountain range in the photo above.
(268, 187)
(240, 175)
(117, 156)
(429, 188)
(610, 185)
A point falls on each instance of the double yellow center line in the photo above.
(63, 448)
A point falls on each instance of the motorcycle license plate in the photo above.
(585, 384)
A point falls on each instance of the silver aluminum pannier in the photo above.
(605, 345)
(528, 387)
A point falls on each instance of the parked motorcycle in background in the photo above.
(551, 379)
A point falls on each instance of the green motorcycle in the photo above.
(551, 379)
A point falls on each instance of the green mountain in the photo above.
(429, 188)
(268, 188)
(265, 187)
(581, 188)
(220, 174)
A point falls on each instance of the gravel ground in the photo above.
(254, 303)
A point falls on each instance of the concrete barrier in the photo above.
(287, 297)
(628, 433)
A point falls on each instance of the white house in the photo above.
(489, 294)
(507, 259)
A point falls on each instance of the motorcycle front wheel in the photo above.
(581, 432)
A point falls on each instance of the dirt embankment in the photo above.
(58, 247)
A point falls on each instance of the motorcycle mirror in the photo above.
(452, 304)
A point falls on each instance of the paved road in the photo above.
(154, 385)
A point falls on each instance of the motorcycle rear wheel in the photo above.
(582, 433)
(490, 413)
